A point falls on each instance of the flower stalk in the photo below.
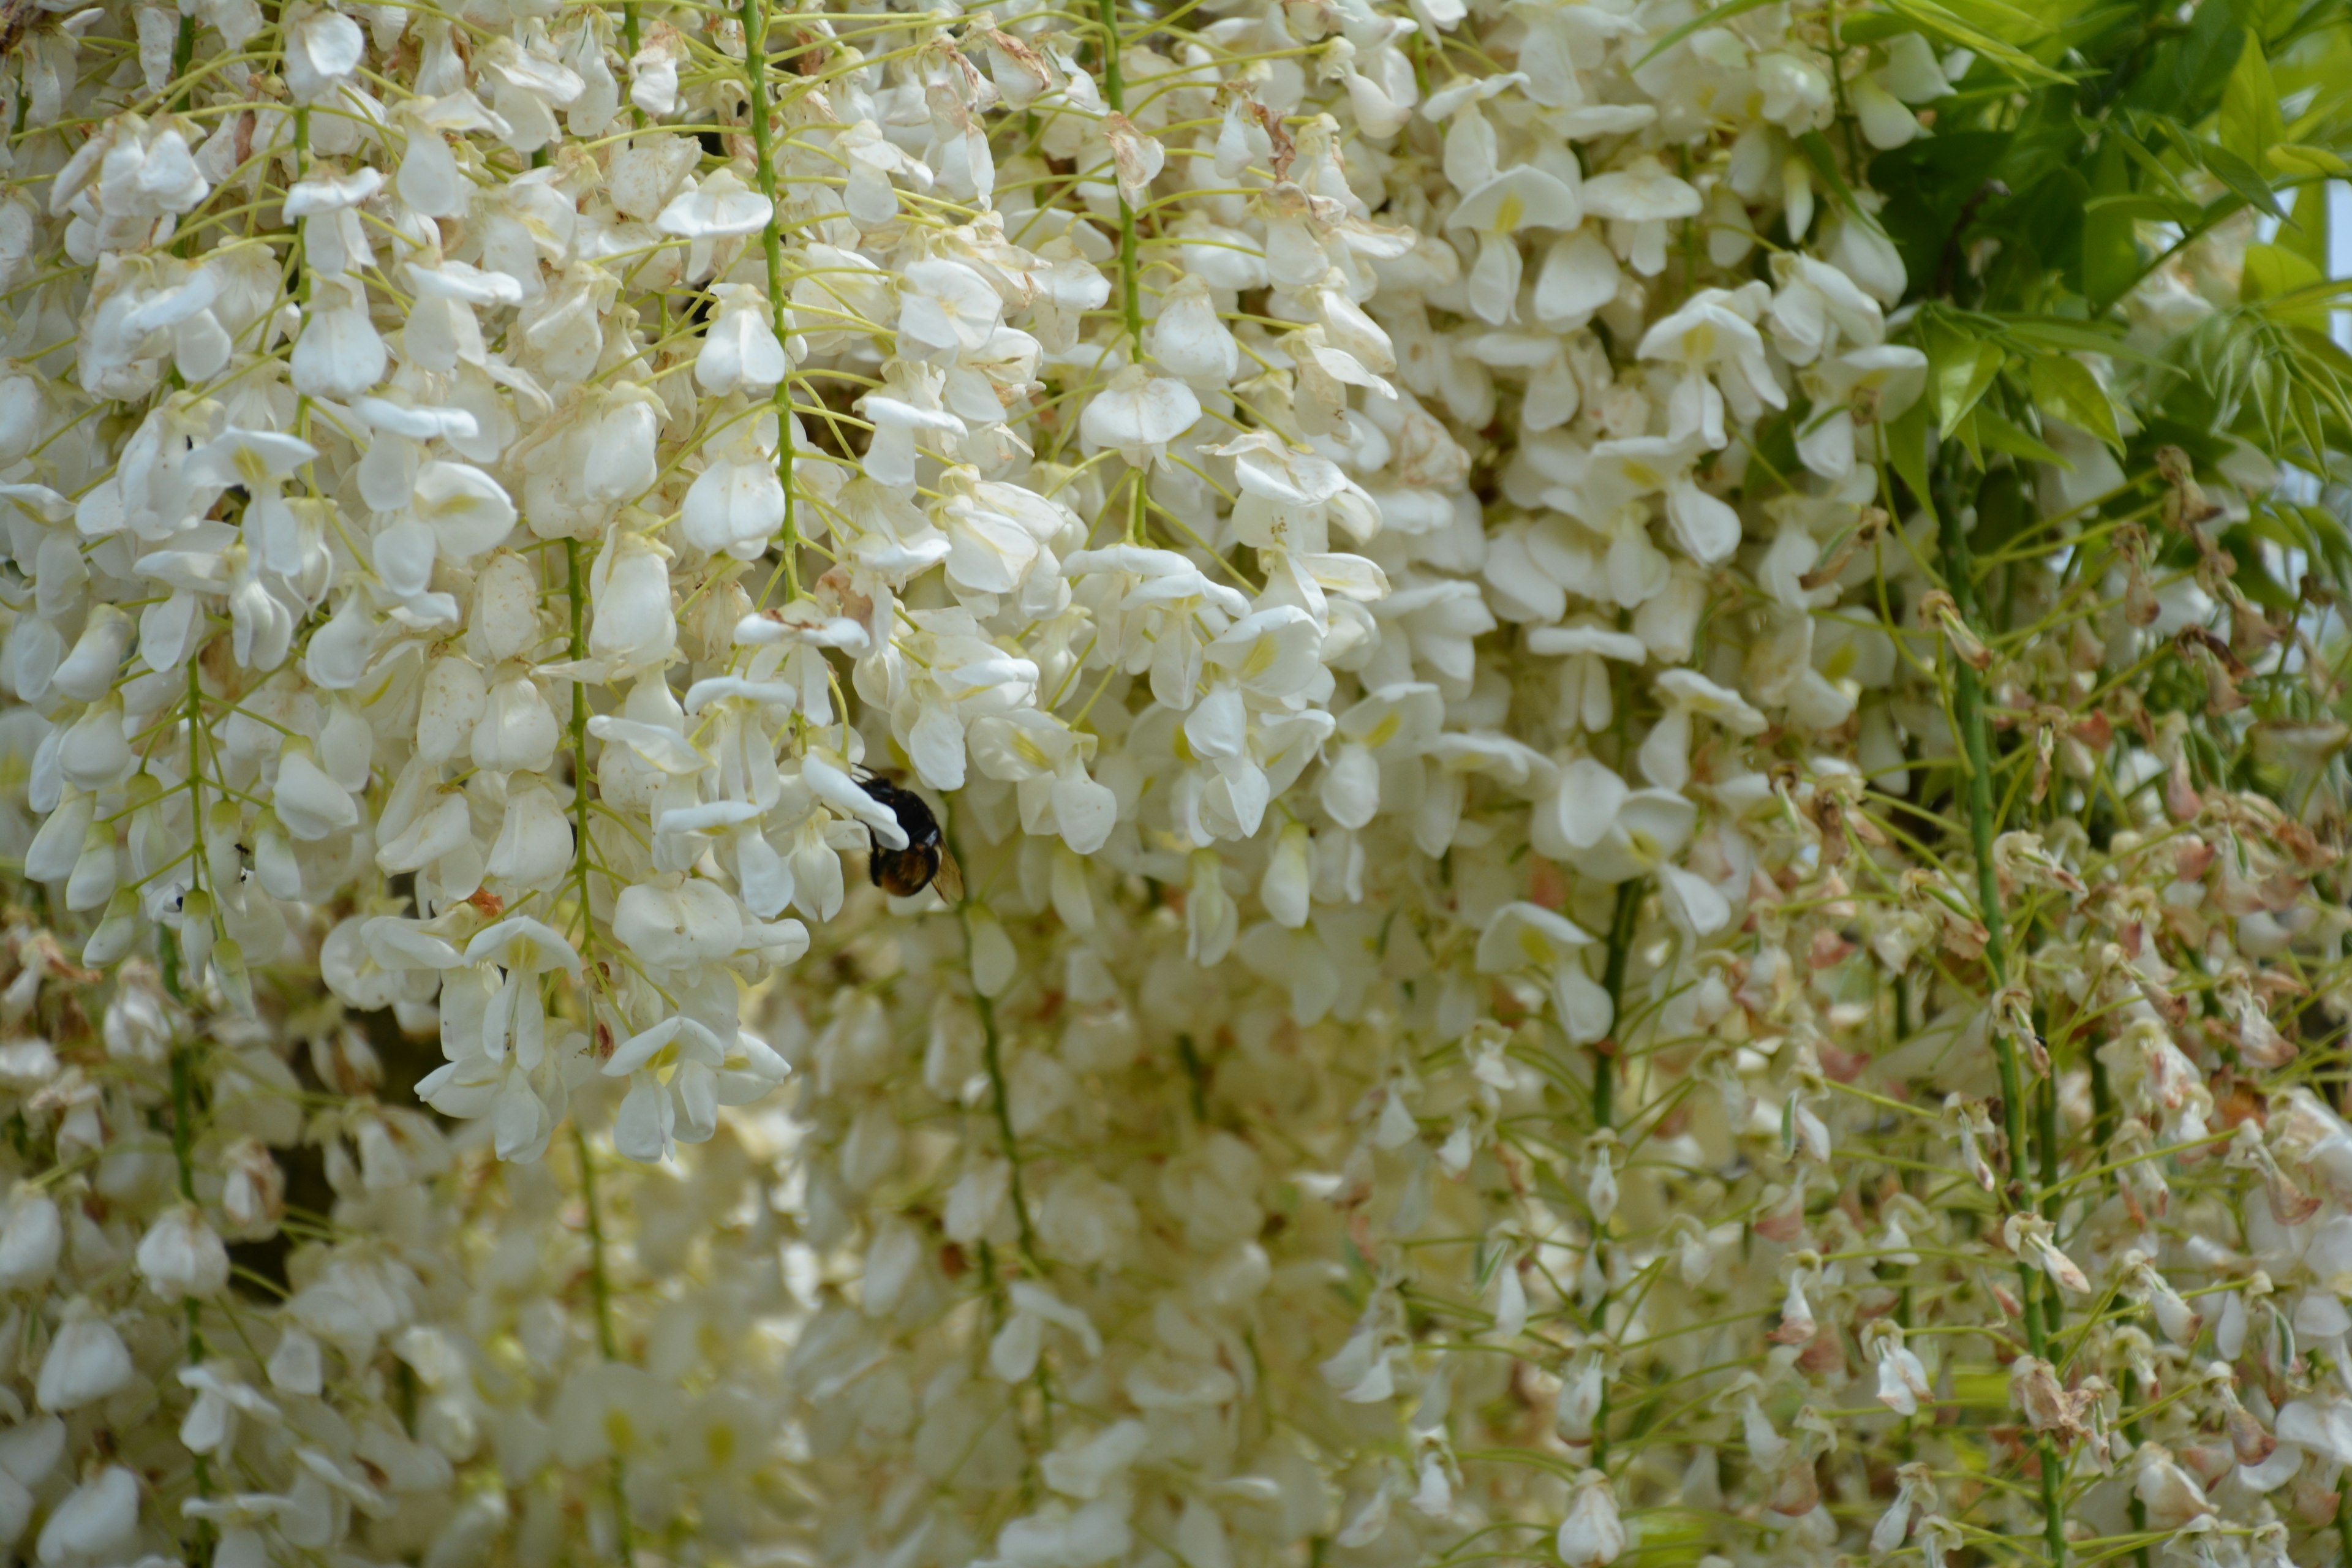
(756, 82)
(1130, 247)
(2021, 1193)
(576, 605)
(608, 1344)
(1623, 922)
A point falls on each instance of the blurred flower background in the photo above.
(1347, 784)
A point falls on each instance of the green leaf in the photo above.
(1932, 17)
(1930, 184)
(1816, 148)
(2184, 74)
(2003, 435)
(1968, 436)
(2111, 263)
(2131, 207)
(2327, 69)
(2249, 125)
(2153, 167)
(2004, 507)
(2244, 183)
(2326, 530)
(1907, 448)
(1960, 369)
(2275, 273)
(2073, 337)
(2306, 229)
(2063, 389)
(2201, 443)
(2015, 22)
(1871, 27)
(1723, 13)
(1774, 446)
(2300, 160)
(2278, 525)
(2319, 354)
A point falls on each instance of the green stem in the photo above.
(2045, 1104)
(1196, 1074)
(174, 980)
(183, 49)
(999, 1094)
(2139, 1509)
(193, 714)
(1001, 1099)
(600, 1287)
(2104, 1117)
(1613, 980)
(631, 39)
(755, 81)
(600, 1281)
(2102, 1105)
(1115, 94)
(2020, 1195)
(1130, 289)
(168, 956)
(579, 597)
(1622, 922)
(182, 1157)
(183, 1132)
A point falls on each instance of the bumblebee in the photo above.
(925, 861)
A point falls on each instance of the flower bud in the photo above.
(180, 1257)
(1591, 1535)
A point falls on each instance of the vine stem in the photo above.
(184, 1116)
(2020, 1193)
(184, 50)
(993, 1055)
(631, 38)
(2103, 1104)
(183, 1050)
(755, 82)
(182, 1157)
(600, 1288)
(1604, 1106)
(1129, 270)
(998, 1095)
(1613, 980)
(577, 591)
(600, 1280)
(1115, 94)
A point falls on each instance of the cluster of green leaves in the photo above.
(2095, 145)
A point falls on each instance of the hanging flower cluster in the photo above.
(1219, 784)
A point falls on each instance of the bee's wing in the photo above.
(948, 878)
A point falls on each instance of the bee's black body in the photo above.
(903, 873)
